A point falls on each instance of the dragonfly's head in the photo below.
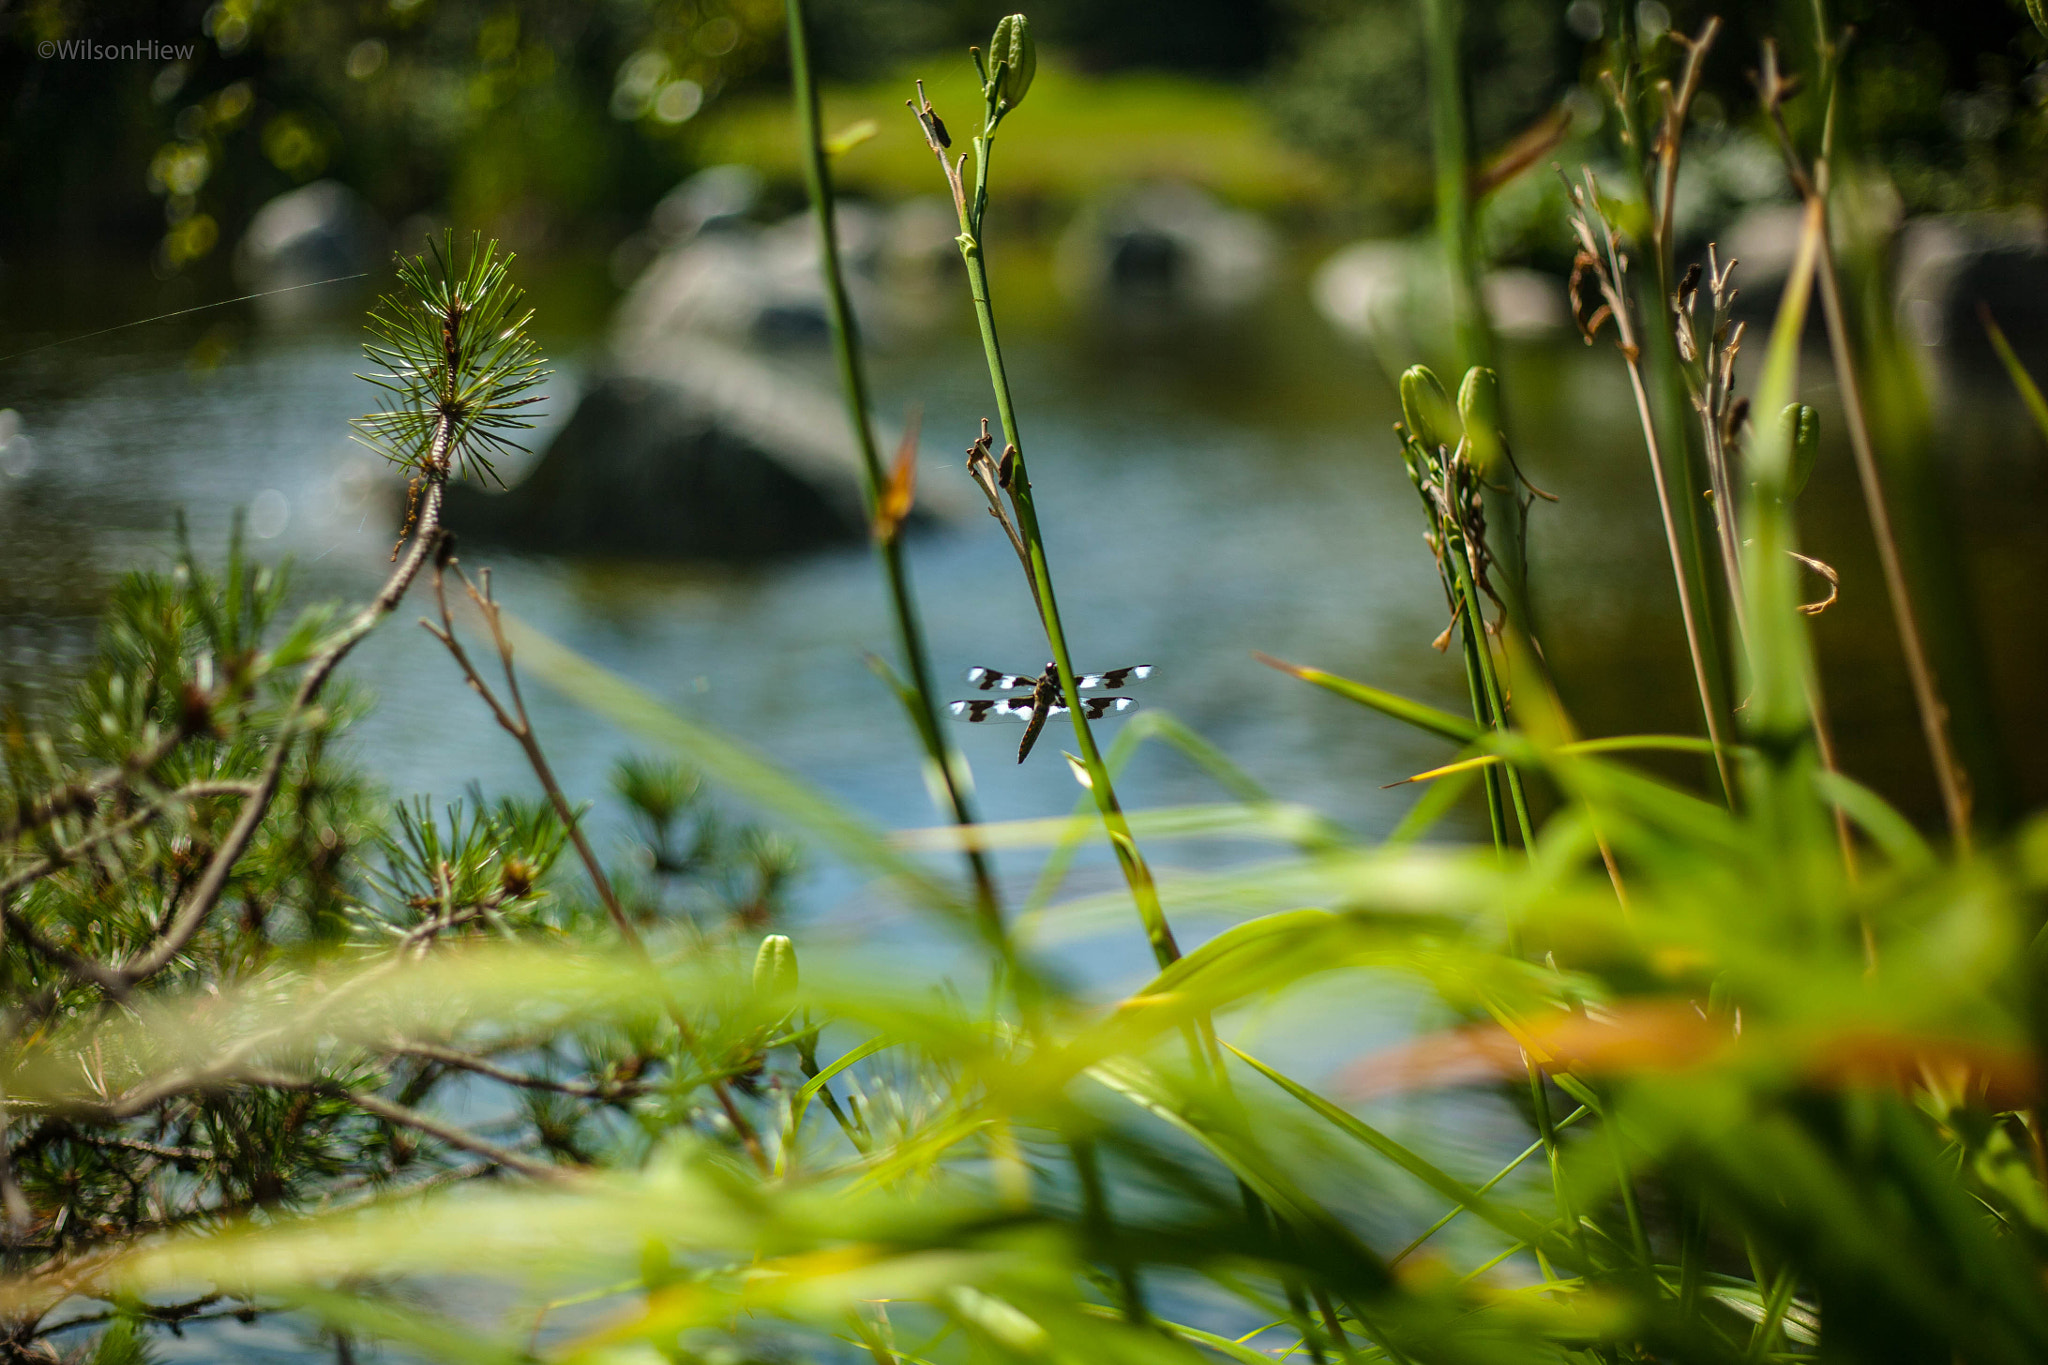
(1052, 670)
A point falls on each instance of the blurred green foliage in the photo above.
(558, 124)
(538, 114)
(1088, 132)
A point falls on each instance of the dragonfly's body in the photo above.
(1046, 700)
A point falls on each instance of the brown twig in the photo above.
(993, 479)
(1671, 133)
(515, 721)
(455, 1057)
(1601, 256)
(1811, 184)
(411, 1118)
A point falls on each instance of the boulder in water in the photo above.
(689, 450)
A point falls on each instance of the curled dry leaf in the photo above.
(1826, 571)
(892, 508)
(1589, 324)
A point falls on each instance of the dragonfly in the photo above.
(1046, 699)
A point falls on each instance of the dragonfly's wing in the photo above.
(994, 708)
(989, 680)
(1114, 679)
(1095, 708)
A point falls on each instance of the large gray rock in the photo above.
(690, 449)
(697, 442)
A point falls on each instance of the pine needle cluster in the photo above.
(457, 363)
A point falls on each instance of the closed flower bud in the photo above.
(1427, 410)
(1012, 61)
(775, 968)
(1479, 410)
(1802, 433)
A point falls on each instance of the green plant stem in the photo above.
(888, 543)
(1776, 1301)
(1451, 143)
(1496, 810)
(1202, 1044)
(1095, 1201)
(1464, 263)
(1144, 891)
(1489, 679)
(1546, 1133)
(1677, 464)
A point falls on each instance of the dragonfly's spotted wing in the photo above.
(989, 680)
(995, 708)
(1114, 679)
(1095, 708)
(1019, 708)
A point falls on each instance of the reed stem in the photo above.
(922, 702)
(1812, 183)
(1137, 874)
(1465, 264)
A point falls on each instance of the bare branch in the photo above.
(412, 1118)
(199, 903)
(517, 723)
(448, 1056)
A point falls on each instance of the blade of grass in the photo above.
(2022, 382)
(1418, 714)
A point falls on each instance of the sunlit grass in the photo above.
(1088, 134)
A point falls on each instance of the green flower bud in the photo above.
(1802, 434)
(1479, 409)
(1012, 61)
(775, 968)
(656, 1269)
(1426, 408)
